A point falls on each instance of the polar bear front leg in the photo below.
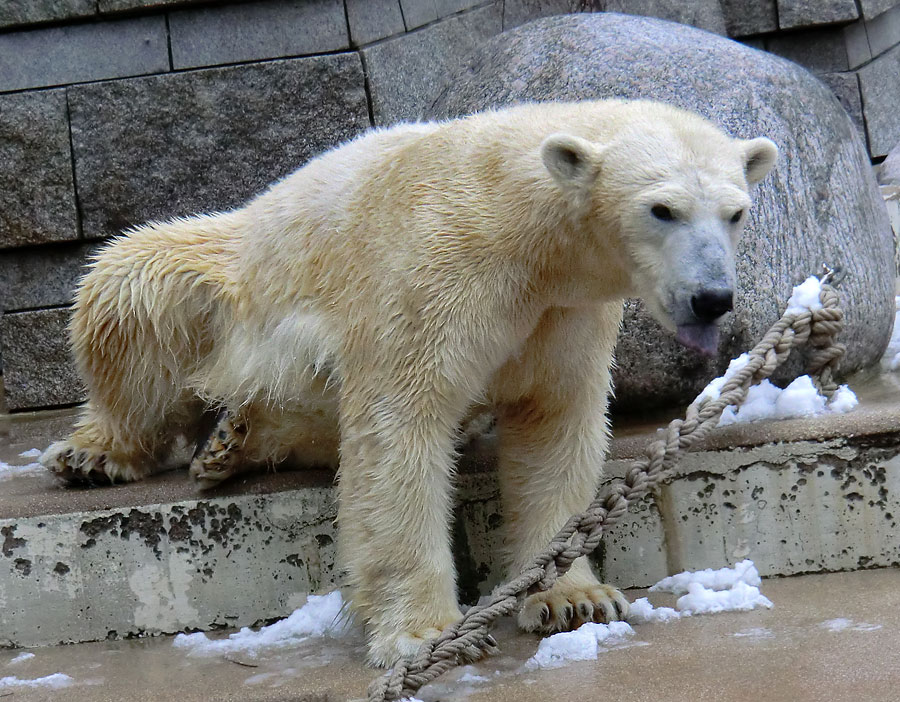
(553, 433)
(393, 519)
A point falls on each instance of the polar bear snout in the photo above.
(708, 304)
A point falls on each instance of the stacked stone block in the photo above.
(113, 112)
(851, 45)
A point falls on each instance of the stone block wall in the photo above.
(113, 112)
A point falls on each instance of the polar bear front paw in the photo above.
(568, 605)
(388, 645)
(87, 466)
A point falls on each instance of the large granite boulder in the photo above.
(820, 204)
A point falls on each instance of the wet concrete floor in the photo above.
(795, 652)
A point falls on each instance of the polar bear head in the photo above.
(672, 192)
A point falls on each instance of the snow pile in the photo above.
(740, 598)
(31, 453)
(21, 658)
(55, 682)
(583, 644)
(8, 471)
(642, 612)
(704, 592)
(799, 399)
(714, 389)
(721, 579)
(767, 401)
(321, 616)
(805, 296)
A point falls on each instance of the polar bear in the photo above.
(363, 305)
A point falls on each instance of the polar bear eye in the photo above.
(736, 217)
(662, 212)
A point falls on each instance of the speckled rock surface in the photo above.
(820, 204)
(199, 141)
(37, 368)
(37, 194)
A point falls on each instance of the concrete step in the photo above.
(156, 557)
(795, 651)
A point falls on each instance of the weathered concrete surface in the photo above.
(795, 496)
(37, 194)
(83, 52)
(746, 18)
(804, 13)
(38, 370)
(820, 203)
(703, 14)
(881, 94)
(404, 71)
(786, 653)
(199, 141)
(28, 11)
(164, 567)
(252, 31)
(45, 277)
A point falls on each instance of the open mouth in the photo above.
(702, 337)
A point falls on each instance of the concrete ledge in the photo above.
(798, 496)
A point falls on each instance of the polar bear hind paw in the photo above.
(87, 466)
(219, 457)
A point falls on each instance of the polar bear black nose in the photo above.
(709, 305)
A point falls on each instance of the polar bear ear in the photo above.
(572, 161)
(759, 156)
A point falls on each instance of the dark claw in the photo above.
(545, 615)
(586, 611)
(569, 612)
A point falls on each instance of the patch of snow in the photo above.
(21, 658)
(841, 624)
(754, 633)
(8, 471)
(799, 399)
(721, 579)
(31, 453)
(709, 591)
(321, 616)
(583, 644)
(469, 675)
(54, 682)
(895, 362)
(739, 598)
(642, 612)
(714, 389)
(805, 296)
(843, 400)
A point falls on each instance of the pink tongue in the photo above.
(699, 337)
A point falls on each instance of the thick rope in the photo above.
(469, 638)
